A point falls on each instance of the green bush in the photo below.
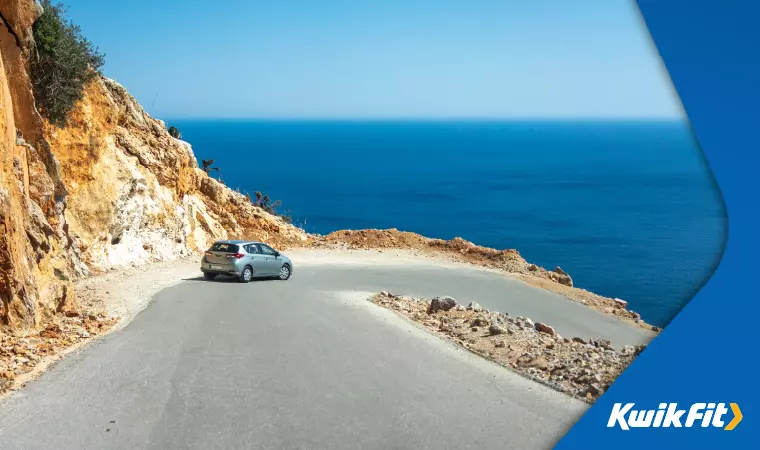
(66, 62)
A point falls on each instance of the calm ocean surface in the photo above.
(629, 209)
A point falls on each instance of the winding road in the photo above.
(305, 363)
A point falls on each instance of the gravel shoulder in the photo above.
(108, 303)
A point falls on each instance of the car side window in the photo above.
(252, 249)
(266, 250)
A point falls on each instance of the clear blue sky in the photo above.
(389, 58)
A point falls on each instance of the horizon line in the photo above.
(431, 118)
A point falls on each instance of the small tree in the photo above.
(65, 64)
(265, 203)
(174, 132)
(207, 163)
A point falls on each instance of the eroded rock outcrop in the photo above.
(37, 255)
(110, 189)
(137, 194)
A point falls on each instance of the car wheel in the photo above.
(284, 272)
(209, 276)
(247, 275)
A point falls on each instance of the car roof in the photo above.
(236, 242)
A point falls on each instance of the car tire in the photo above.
(246, 275)
(209, 276)
(285, 272)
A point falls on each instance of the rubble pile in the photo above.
(581, 367)
(22, 351)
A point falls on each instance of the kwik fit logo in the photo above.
(669, 415)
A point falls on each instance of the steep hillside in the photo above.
(137, 194)
(111, 189)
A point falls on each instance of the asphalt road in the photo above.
(300, 364)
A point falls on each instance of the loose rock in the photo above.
(441, 304)
(576, 366)
(620, 303)
(480, 321)
(543, 328)
(474, 306)
(496, 329)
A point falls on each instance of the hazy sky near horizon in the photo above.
(385, 59)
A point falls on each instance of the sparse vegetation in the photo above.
(207, 166)
(265, 203)
(175, 133)
(66, 62)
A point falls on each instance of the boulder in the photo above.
(441, 304)
(629, 349)
(496, 329)
(561, 277)
(620, 303)
(543, 328)
(474, 306)
(481, 321)
(592, 390)
(601, 343)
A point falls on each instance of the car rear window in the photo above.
(226, 248)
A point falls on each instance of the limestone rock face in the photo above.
(110, 189)
(137, 194)
(37, 255)
(20, 16)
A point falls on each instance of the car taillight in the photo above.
(235, 255)
(208, 253)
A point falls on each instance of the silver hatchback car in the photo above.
(245, 260)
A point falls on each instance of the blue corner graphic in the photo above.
(708, 353)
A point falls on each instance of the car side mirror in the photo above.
(276, 254)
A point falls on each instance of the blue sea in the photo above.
(628, 208)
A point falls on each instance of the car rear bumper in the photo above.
(223, 269)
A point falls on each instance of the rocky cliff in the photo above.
(36, 251)
(111, 189)
(135, 193)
